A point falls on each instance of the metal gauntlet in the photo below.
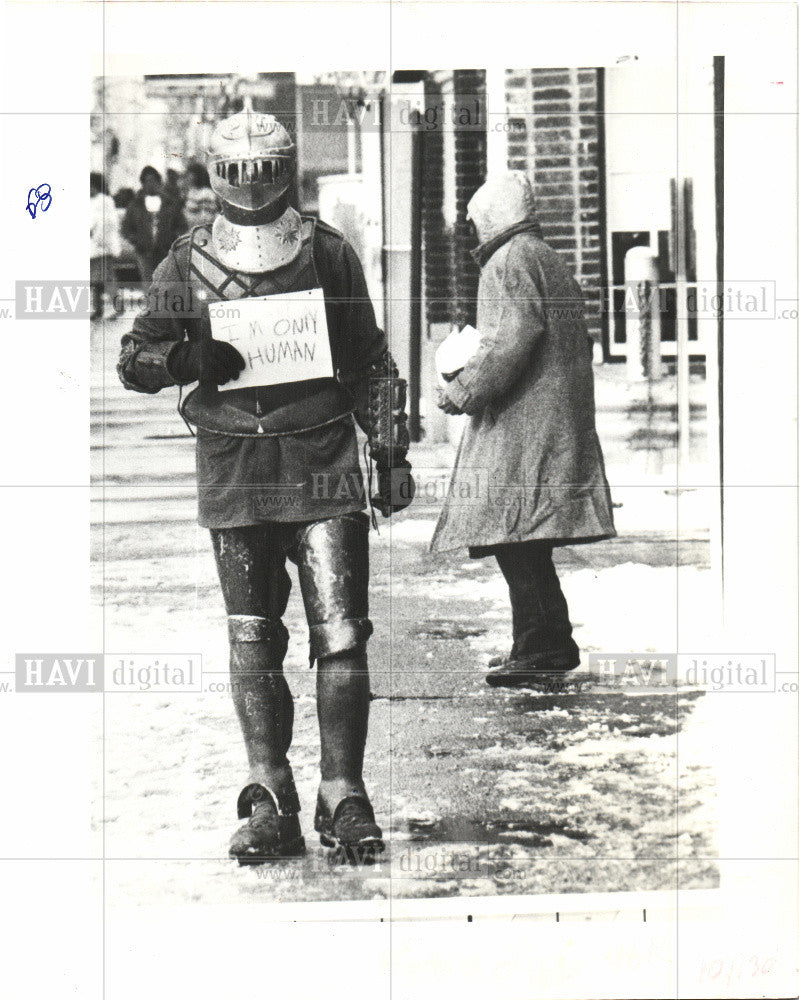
(142, 366)
(380, 396)
(382, 413)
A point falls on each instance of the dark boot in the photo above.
(542, 632)
(350, 830)
(266, 713)
(344, 817)
(528, 670)
(273, 831)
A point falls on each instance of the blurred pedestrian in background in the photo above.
(122, 200)
(153, 221)
(127, 269)
(194, 176)
(200, 204)
(172, 185)
(104, 243)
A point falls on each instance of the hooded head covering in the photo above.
(503, 201)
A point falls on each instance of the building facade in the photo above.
(394, 162)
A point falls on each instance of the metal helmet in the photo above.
(251, 160)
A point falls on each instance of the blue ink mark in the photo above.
(38, 197)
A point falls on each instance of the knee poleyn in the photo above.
(345, 635)
(258, 629)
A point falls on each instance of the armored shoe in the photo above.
(523, 670)
(272, 832)
(350, 830)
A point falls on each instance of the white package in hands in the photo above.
(455, 350)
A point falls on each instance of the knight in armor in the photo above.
(279, 476)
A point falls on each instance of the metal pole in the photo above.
(642, 306)
(415, 331)
(683, 362)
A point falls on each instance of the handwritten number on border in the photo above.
(39, 197)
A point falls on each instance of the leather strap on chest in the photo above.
(220, 282)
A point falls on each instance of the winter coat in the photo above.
(153, 235)
(529, 465)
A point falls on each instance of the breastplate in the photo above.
(212, 281)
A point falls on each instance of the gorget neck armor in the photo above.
(252, 161)
(259, 248)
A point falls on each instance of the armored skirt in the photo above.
(297, 477)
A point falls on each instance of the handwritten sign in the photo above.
(282, 338)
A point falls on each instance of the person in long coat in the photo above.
(529, 473)
(152, 223)
(105, 246)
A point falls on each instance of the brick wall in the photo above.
(556, 136)
(470, 172)
(438, 261)
(557, 139)
(450, 274)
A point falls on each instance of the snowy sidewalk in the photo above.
(480, 791)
